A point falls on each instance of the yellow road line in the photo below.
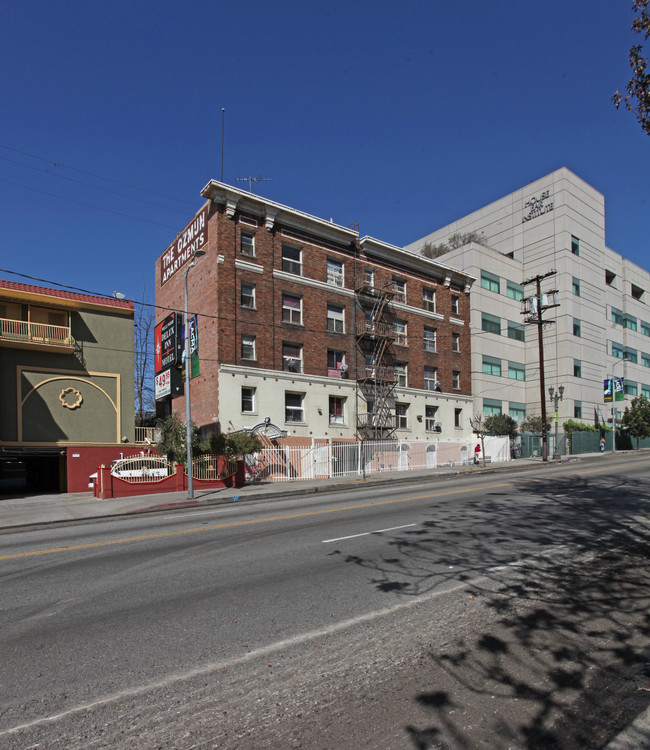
(287, 517)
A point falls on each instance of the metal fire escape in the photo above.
(376, 371)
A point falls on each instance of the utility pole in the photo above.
(534, 312)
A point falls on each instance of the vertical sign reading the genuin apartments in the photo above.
(192, 238)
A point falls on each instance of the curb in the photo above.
(396, 478)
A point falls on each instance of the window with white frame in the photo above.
(292, 259)
(399, 331)
(401, 374)
(247, 298)
(335, 363)
(247, 243)
(291, 309)
(455, 380)
(399, 290)
(369, 277)
(248, 347)
(454, 304)
(247, 400)
(429, 338)
(455, 342)
(293, 407)
(292, 357)
(401, 412)
(458, 417)
(336, 410)
(428, 299)
(334, 272)
(431, 379)
(430, 415)
(336, 319)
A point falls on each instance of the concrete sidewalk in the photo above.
(20, 511)
(35, 510)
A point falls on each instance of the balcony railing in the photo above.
(25, 332)
(146, 435)
(383, 419)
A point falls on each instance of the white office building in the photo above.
(602, 319)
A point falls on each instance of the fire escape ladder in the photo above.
(376, 374)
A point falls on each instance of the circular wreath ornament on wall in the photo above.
(70, 398)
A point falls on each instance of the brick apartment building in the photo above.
(307, 327)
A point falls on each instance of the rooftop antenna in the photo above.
(223, 119)
(251, 180)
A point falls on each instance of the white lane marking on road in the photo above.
(367, 533)
(264, 651)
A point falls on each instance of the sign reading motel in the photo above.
(168, 343)
(191, 239)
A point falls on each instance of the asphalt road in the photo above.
(496, 611)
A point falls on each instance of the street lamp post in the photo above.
(556, 396)
(188, 374)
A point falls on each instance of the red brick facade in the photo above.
(232, 259)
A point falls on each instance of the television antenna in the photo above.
(251, 180)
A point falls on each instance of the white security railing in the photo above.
(332, 459)
(147, 435)
(140, 469)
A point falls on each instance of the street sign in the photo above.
(168, 342)
(169, 383)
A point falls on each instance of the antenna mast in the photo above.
(251, 180)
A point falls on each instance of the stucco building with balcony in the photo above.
(307, 326)
(66, 379)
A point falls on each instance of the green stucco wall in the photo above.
(37, 388)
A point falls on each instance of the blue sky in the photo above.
(400, 116)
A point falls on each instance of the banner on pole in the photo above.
(619, 389)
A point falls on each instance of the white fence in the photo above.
(334, 459)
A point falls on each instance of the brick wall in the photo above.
(215, 293)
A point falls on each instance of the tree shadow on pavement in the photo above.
(552, 624)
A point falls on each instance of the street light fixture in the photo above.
(555, 398)
(188, 374)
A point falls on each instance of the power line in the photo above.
(90, 185)
(88, 205)
(92, 174)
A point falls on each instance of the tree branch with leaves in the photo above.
(637, 99)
